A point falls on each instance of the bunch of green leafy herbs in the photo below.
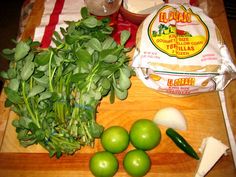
(56, 91)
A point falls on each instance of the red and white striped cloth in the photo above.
(56, 12)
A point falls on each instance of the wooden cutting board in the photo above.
(203, 114)
(204, 118)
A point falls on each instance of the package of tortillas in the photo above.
(180, 51)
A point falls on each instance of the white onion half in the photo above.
(170, 117)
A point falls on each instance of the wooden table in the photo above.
(203, 113)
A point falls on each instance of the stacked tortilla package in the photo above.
(181, 52)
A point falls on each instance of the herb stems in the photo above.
(28, 106)
(50, 75)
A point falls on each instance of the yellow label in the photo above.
(181, 82)
(178, 32)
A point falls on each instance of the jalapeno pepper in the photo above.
(181, 143)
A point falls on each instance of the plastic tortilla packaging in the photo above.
(180, 51)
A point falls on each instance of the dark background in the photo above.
(230, 7)
(10, 15)
(9, 22)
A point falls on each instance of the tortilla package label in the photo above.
(180, 51)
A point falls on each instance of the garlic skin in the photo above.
(171, 117)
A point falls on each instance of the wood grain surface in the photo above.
(203, 114)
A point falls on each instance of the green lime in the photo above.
(145, 134)
(103, 164)
(136, 163)
(115, 139)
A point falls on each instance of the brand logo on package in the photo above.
(178, 32)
